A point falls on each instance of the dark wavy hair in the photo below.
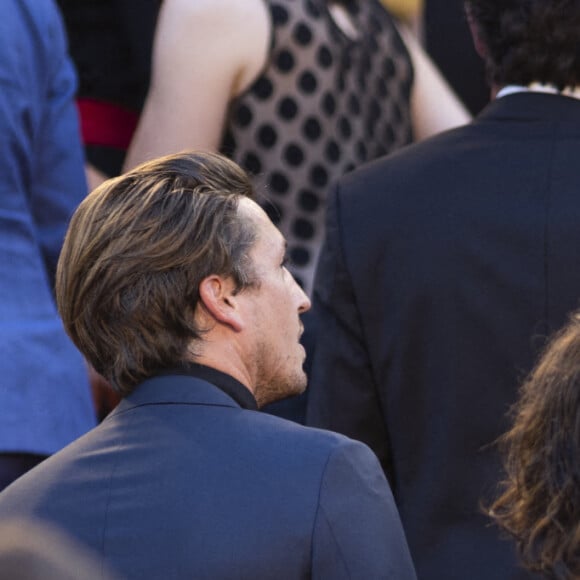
(135, 253)
(529, 40)
(540, 503)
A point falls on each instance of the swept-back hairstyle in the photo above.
(540, 504)
(529, 40)
(135, 253)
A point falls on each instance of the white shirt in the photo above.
(573, 92)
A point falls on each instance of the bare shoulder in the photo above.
(237, 30)
(230, 13)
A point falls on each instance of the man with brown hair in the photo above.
(172, 282)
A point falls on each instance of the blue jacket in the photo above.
(181, 482)
(44, 394)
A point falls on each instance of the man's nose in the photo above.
(304, 302)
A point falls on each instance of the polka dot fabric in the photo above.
(324, 104)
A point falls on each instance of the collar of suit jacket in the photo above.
(535, 109)
(189, 386)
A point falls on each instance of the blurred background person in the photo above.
(44, 390)
(540, 501)
(446, 265)
(297, 92)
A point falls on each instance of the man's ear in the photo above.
(217, 294)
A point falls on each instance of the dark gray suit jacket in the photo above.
(181, 482)
(446, 265)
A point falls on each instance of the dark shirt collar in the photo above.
(230, 386)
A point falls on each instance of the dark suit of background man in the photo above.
(445, 267)
(172, 282)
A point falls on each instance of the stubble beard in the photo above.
(290, 380)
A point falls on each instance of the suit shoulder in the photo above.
(407, 158)
(306, 440)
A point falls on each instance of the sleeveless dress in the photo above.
(324, 104)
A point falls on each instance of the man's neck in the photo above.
(225, 363)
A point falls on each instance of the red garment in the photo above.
(106, 124)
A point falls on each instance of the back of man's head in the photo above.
(135, 253)
(527, 41)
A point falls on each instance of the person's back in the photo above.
(434, 311)
(212, 489)
(44, 393)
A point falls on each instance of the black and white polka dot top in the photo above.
(324, 104)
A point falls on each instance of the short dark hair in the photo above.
(540, 503)
(529, 40)
(135, 253)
